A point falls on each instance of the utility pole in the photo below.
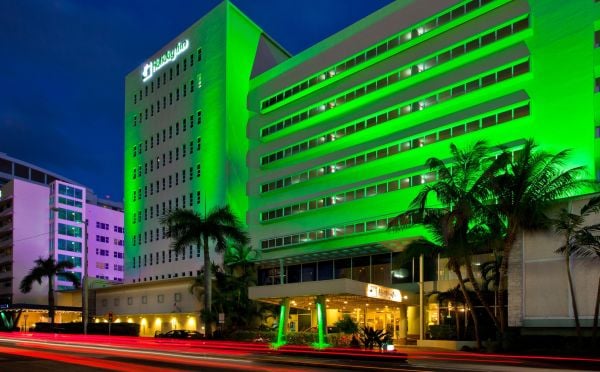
(84, 285)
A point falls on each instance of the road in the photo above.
(52, 352)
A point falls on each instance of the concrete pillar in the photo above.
(284, 314)
(421, 298)
(321, 305)
(403, 331)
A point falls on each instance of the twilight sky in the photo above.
(64, 63)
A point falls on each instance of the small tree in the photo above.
(49, 268)
(347, 325)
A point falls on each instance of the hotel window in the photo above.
(199, 117)
(184, 90)
(192, 86)
(199, 53)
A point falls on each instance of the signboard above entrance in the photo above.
(383, 293)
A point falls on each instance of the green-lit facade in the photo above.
(340, 133)
(185, 143)
(316, 152)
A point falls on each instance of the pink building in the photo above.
(38, 220)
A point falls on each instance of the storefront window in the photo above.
(325, 270)
(293, 274)
(381, 270)
(361, 269)
(343, 268)
(309, 272)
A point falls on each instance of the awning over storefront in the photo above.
(341, 293)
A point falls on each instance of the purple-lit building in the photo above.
(50, 216)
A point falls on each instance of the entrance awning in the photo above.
(340, 293)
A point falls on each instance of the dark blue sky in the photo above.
(63, 65)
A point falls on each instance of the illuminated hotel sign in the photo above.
(169, 56)
(383, 293)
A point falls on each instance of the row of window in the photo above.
(137, 149)
(106, 253)
(163, 276)
(151, 165)
(401, 183)
(102, 225)
(166, 256)
(399, 75)
(354, 228)
(70, 202)
(76, 261)
(389, 44)
(139, 97)
(154, 187)
(106, 266)
(102, 239)
(327, 233)
(138, 119)
(69, 230)
(68, 215)
(116, 279)
(419, 105)
(363, 192)
(69, 246)
(105, 226)
(166, 208)
(70, 191)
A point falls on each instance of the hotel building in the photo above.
(44, 216)
(336, 139)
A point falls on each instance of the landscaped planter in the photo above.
(447, 344)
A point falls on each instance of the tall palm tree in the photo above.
(445, 242)
(571, 226)
(525, 189)
(463, 192)
(187, 227)
(49, 268)
(590, 248)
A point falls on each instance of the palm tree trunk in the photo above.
(457, 321)
(207, 289)
(596, 311)
(461, 281)
(477, 290)
(511, 236)
(573, 299)
(51, 301)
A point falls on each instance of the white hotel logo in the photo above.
(384, 293)
(169, 56)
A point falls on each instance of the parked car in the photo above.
(181, 334)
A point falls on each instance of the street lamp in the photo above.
(84, 284)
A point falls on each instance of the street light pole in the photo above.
(84, 289)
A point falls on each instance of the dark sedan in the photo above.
(181, 334)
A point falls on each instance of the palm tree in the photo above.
(463, 190)
(590, 248)
(448, 244)
(570, 225)
(187, 227)
(530, 182)
(49, 268)
(240, 258)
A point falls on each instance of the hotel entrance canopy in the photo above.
(340, 293)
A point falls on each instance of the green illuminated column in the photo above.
(321, 323)
(282, 330)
